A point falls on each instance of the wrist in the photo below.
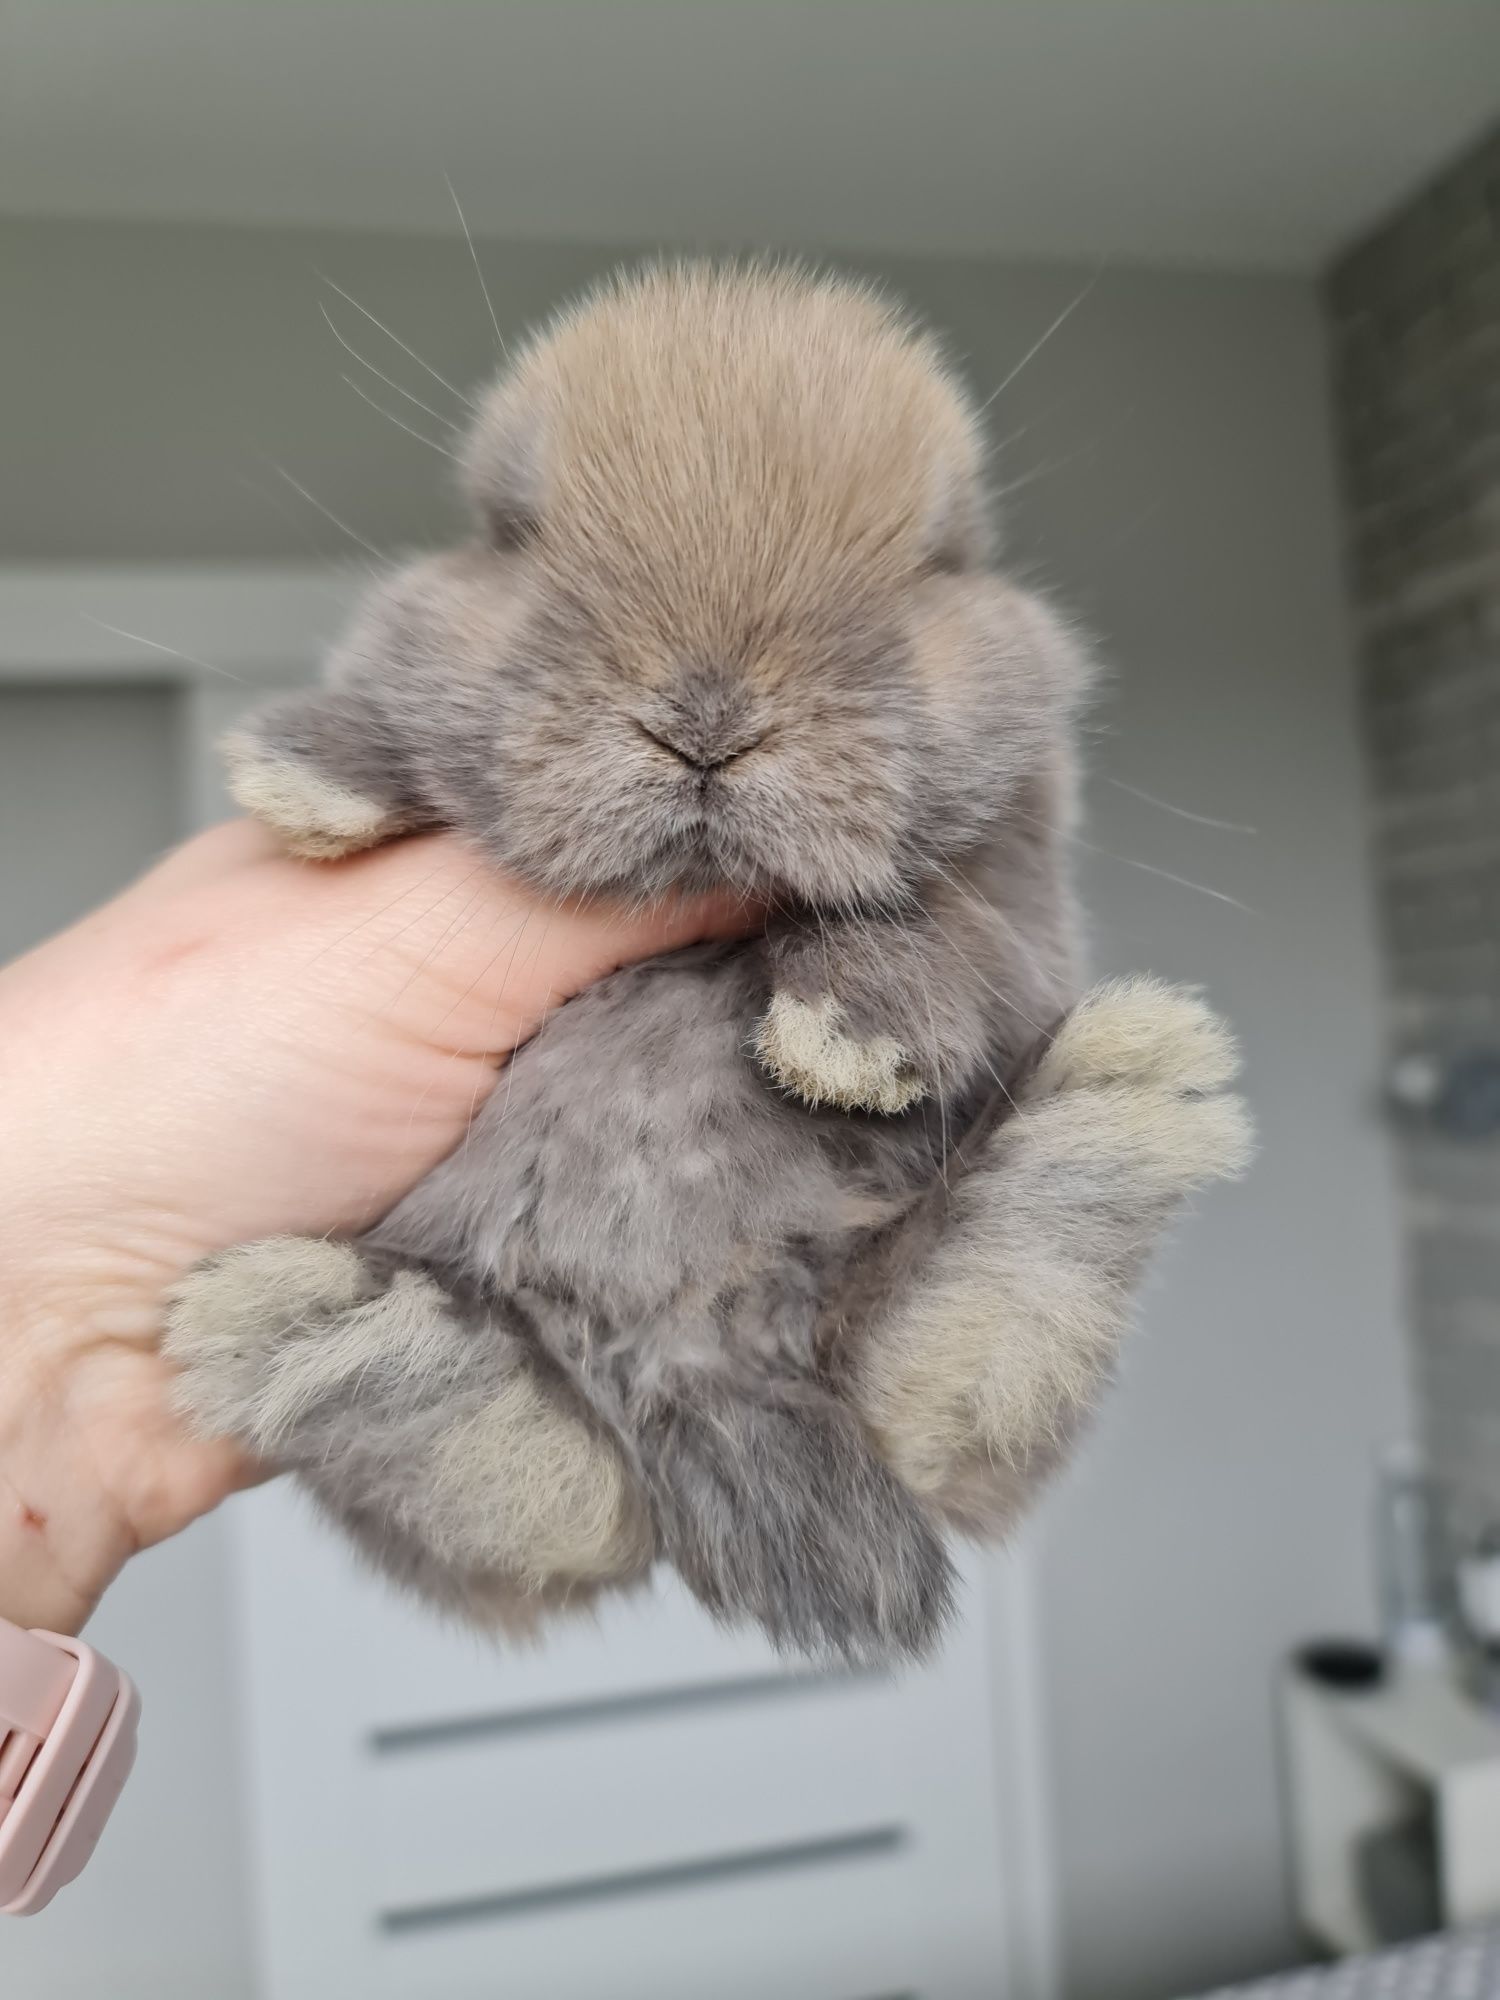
(93, 1462)
(60, 1543)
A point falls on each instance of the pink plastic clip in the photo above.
(67, 1742)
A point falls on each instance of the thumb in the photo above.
(472, 960)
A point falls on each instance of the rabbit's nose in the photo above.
(697, 754)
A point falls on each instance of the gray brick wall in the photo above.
(1415, 321)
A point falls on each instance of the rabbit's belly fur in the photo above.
(636, 1187)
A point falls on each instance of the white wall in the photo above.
(1177, 493)
(1221, 1512)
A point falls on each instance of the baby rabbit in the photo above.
(770, 1257)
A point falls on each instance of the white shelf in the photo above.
(1358, 1763)
(1422, 1722)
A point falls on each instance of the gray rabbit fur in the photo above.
(771, 1259)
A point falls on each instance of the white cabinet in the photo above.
(641, 1807)
(1413, 1753)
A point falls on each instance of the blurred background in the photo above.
(1228, 279)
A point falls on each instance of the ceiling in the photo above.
(1256, 133)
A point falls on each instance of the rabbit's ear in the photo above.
(956, 531)
(502, 466)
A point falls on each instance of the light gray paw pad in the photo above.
(313, 816)
(228, 1318)
(1141, 1031)
(806, 1048)
(1146, 1069)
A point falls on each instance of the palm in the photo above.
(240, 1046)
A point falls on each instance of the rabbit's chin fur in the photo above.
(772, 1258)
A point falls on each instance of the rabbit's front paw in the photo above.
(230, 1319)
(807, 1047)
(311, 813)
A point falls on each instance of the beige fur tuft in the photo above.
(295, 1318)
(565, 1511)
(240, 1304)
(804, 1046)
(1142, 1031)
(314, 817)
(975, 1383)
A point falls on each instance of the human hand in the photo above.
(238, 1046)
